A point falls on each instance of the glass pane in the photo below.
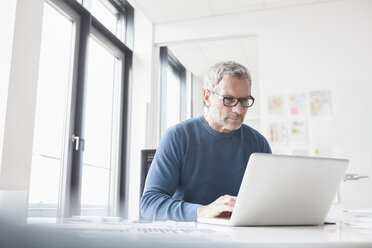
(105, 13)
(173, 98)
(44, 196)
(95, 197)
(101, 130)
(51, 113)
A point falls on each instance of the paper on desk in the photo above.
(364, 211)
(349, 215)
(359, 218)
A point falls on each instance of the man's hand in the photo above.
(222, 207)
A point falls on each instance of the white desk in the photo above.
(169, 234)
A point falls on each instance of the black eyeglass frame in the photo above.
(223, 98)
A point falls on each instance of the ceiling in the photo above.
(198, 56)
(160, 11)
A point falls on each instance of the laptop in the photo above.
(285, 190)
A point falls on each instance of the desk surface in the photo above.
(171, 234)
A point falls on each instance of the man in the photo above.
(200, 163)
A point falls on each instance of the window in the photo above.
(173, 90)
(172, 96)
(80, 137)
(111, 14)
(108, 15)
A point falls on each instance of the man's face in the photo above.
(226, 119)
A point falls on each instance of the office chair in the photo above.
(147, 155)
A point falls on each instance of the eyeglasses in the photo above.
(230, 101)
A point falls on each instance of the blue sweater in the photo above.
(194, 165)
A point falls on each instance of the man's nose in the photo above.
(238, 108)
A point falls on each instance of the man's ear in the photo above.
(206, 95)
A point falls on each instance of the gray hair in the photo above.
(225, 69)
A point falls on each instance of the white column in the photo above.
(7, 19)
(140, 97)
(21, 100)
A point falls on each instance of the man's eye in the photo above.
(230, 99)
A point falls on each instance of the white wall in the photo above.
(197, 104)
(327, 47)
(153, 122)
(21, 99)
(140, 107)
(311, 47)
(7, 19)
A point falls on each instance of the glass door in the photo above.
(79, 164)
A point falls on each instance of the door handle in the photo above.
(76, 139)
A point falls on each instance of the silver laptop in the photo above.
(285, 190)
